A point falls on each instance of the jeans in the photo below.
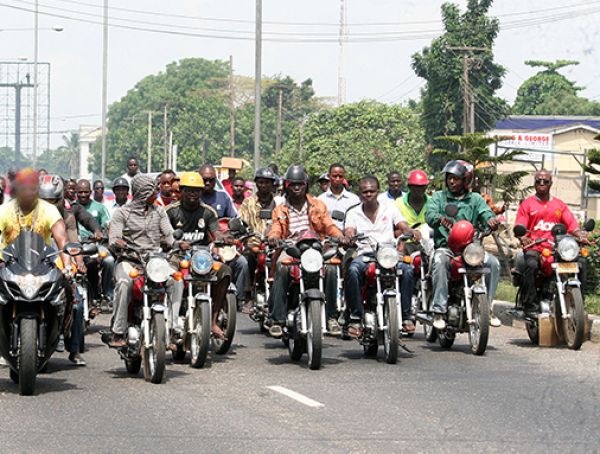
(440, 267)
(108, 269)
(74, 341)
(241, 275)
(282, 284)
(356, 279)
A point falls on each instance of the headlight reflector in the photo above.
(311, 261)
(30, 285)
(158, 270)
(474, 254)
(568, 249)
(387, 257)
(202, 262)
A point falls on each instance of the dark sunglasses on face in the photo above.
(99, 188)
(543, 182)
(210, 180)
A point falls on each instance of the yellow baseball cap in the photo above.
(191, 180)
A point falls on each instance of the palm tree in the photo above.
(70, 151)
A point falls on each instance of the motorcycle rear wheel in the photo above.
(573, 327)
(314, 337)
(227, 320)
(28, 339)
(480, 329)
(154, 357)
(133, 365)
(391, 332)
(200, 336)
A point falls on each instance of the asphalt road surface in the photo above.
(517, 398)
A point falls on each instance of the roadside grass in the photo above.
(506, 292)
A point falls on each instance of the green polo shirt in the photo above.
(100, 214)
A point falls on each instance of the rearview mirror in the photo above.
(520, 230)
(89, 249)
(451, 210)
(559, 229)
(266, 215)
(338, 215)
(293, 252)
(589, 225)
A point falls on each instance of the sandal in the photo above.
(355, 330)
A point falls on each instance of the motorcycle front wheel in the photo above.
(390, 332)
(28, 339)
(479, 330)
(154, 357)
(200, 337)
(314, 337)
(133, 365)
(573, 326)
(226, 321)
(445, 339)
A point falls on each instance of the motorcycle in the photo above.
(558, 287)
(468, 306)
(336, 261)
(146, 335)
(92, 306)
(33, 310)
(306, 322)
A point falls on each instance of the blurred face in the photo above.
(132, 167)
(368, 191)
(542, 183)
(395, 183)
(455, 184)
(70, 190)
(121, 193)
(166, 184)
(98, 191)
(190, 196)
(238, 187)
(83, 192)
(210, 179)
(264, 186)
(336, 178)
(417, 190)
(27, 194)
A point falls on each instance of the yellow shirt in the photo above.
(11, 223)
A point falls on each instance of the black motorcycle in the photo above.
(32, 305)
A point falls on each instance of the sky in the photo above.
(372, 69)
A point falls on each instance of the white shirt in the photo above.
(386, 199)
(341, 203)
(380, 231)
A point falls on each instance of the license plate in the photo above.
(567, 268)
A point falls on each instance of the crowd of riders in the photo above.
(178, 210)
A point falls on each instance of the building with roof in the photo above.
(88, 134)
(558, 144)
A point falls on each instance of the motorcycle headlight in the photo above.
(202, 262)
(30, 285)
(311, 261)
(474, 254)
(387, 257)
(568, 249)
(228, 253)
(158, 270)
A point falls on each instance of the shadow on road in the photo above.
(43, 385)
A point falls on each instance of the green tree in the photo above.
(593, 167)
(367, 137)
(441, 66)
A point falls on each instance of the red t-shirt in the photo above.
(227, 186)
(539, 217)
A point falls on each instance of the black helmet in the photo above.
(462, 169)
(120, 183)
(266, 173)
(296, 174)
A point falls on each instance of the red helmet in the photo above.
(461, 235)
(462, 169)
(417, 178)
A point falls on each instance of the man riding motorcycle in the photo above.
(337, 197)
(200, 225)
(140, 226)
(472, 208)
(539, 214)
(379, 223)
(301, 214)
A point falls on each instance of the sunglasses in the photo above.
(99, 188)
(210, 180)
(543, 182)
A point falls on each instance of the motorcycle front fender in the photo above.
(479, 289)
(159, 308)
(313, 294)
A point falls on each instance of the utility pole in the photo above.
(343, 38)
(149, 165)
(104, 88)
(231, 110)
(257, 82)
(35, 83)
(468, 98)
(165, 138)
(171, 162)
(279, 121)
(18, 87)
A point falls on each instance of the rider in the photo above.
(300, 214)
(141, 226)
(539, 214)
(381, 223)
(472, 208)
(200, 225)
(413, 205)
(120, 188)
(337, 197)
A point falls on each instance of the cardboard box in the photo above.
(547, 332)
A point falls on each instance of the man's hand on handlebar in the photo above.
(185, 245)
(493, 224)
(121, 244)
(526, 241)
(98, 235)
(273, 242)
(446, 222)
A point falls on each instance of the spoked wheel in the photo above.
(226, 321)
(480, 328)
(200, 337)
(390, 331)
(314, 336)
(154, 357)
(133, 365)
(28, 338)
(574, 325)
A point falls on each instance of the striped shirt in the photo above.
(299, 223)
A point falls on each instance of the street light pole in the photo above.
(257, 82)
(104, 88)
(35, 84)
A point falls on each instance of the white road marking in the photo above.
(296, 396)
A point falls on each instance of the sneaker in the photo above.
(276, 331)
(333, 327)
(77, 359)
(495, 321)
(438, 322)
(60, 347)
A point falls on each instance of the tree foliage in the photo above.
(550, 93)
(593, 167)
(196, 94)
(366, 137)
(441, 67)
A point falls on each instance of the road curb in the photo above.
(501, 308)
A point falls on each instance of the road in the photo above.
(517, 398)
